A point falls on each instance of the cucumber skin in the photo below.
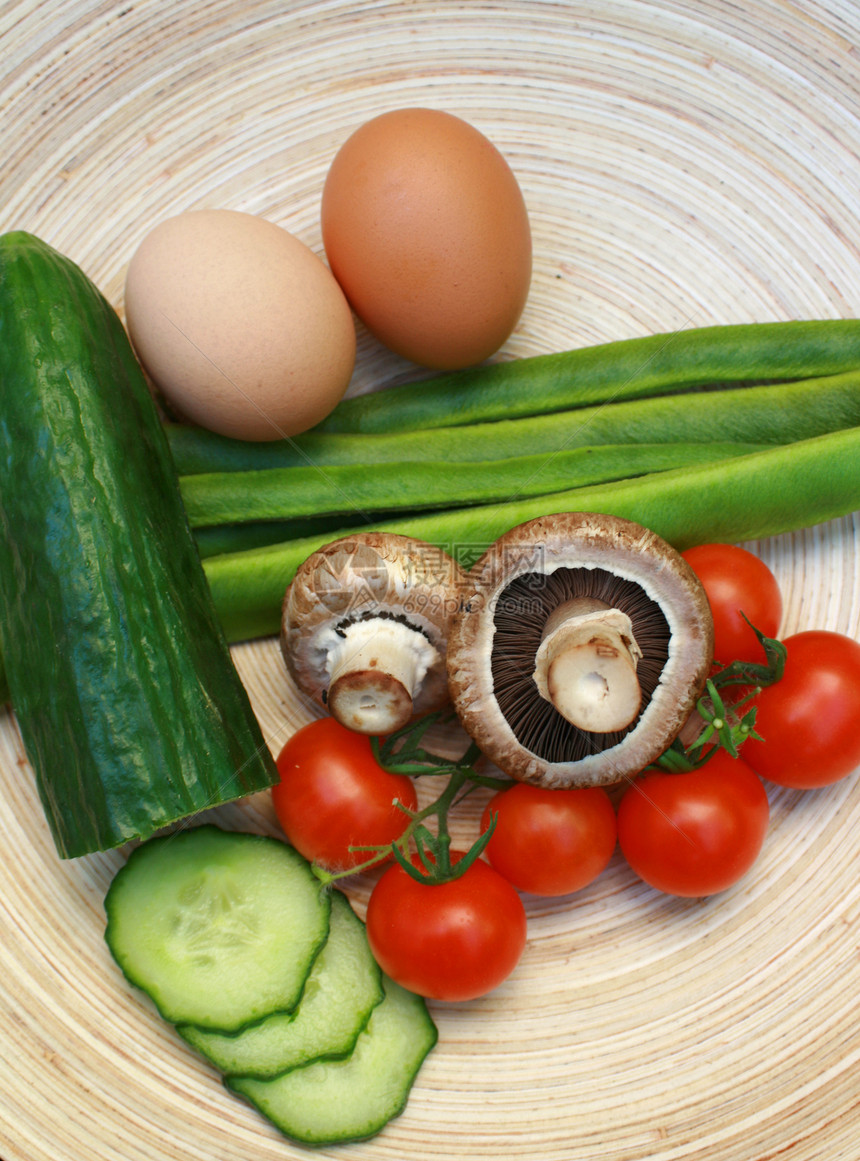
(130, 709)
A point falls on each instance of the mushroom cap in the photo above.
(505, 604)
(366, 575)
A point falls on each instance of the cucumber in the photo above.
(265, 971)
(219, 928)
(130, 708)
(331, 1101)
(343, 988)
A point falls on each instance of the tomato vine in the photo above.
(403, 752)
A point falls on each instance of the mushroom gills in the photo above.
(522, 611)
(375, 665)
(586, 665)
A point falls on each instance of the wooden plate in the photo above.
(685, 162)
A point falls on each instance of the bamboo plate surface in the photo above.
(685, 162)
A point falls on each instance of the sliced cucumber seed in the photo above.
(343, 988)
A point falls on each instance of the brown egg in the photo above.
(242, 328)
(426, 230)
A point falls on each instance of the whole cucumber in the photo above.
(130, 709)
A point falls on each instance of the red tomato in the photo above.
(447, 941)
(736, 581)
(696, 833)
(809, 719)
(550, 842)
(333, 794)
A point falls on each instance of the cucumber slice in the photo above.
(343, 988)
(331, 1101)
(218, 928)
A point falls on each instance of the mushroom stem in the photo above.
(586, 665)
(374, 670)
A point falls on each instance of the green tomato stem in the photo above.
(433, 849)
(725, 728)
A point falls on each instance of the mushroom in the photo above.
(365, 626)
(582, 644)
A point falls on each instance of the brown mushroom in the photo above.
(582, 645)
(365, 626)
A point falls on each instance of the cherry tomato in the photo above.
(696, 833)
(736, 581)
(333, 794)
(810, 720)
(448, 941)
(550, 842)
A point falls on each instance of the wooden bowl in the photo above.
(685, 162)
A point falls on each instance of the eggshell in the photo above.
(242, 328)
(426, 230)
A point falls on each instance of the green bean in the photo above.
(774, 414)
(362, 493)
(763, 494)
(240, 536)
(624, 369)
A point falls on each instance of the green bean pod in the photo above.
(763, 494)
(623, 369)
(361, 493)
(771, 414)
(215, 539)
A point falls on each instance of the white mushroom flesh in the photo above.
(339, 600)
(586, 666)
(375, 665)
